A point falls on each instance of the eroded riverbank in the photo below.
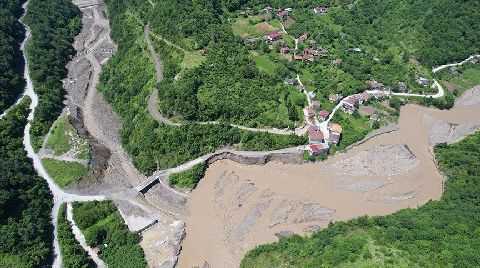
(236, 207)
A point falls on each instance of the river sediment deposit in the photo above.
(236, 207)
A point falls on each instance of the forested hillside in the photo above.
(54, 24)
(25, 200)
(442, 233)
(127, 81)
(11, 61)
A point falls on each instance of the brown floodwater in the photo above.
(221, 226)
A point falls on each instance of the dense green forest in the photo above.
(53, 24)
(103, 226)
(25, 200)
(11, 60)
(444, 233)
(73, 255)
(128, 79)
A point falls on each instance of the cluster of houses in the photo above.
(318, 141)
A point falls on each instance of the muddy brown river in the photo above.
(236, 207)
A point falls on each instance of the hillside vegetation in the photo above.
(444, 233)
(127, 81)
(25, 200)
(53, 24)
(73, 255)
(11, 60)
(103, 226)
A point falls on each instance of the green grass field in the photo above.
(191, 59)
(264, 63)
(64, 137)
(244, 28)
(354, 127)
(63, 172)
(467, 78)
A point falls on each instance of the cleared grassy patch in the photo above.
(264, 63)
(355, 127)
(468, 76)
(192, 59)
(254, 26)
(64, 137)
(63, 172)
(188, 178)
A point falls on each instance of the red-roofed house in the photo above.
(335, 97)
(284, 50)
(336, 62)
(323, 114)
(316, 149)
(272, 37)
(309, 112)
(298, 57)
(349, 105)
(283, 14)
(335, 131)
(303, 37)
(315, 135)
(316, 104)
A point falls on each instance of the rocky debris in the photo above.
(313, 212)
(226, 180)
(162, 243)
(441, 131)
(99, 154)
(164, 196)
(285, 158)
(383, 160)
(281, 213)
(244, 191)
(396, 197)
(469, 98)
(312, 228)
(284, 234)
(359, 186)
(250, 219)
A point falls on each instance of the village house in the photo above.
(249, 40)
(316, 104)
(354, 49)
(298, 57)
(311, 94)
(303, 37)
(246, 12)
(267, 9)
(380, 95)
(316, 149)
(359, 98)
(375, 85)
(423, 81)
(320, 10)
(336, 62)
(349, 105)
(402, 86)
(474, 60)
(308, 58)
(315, 135)
(272, 37)
(335, 131)
(309, 112)
(335, 97)
(290, 81)
(96, 250)
(203, 52)
(323, 114)
(283, 14)
(284, 50)
(366, 96)
(301, 88)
